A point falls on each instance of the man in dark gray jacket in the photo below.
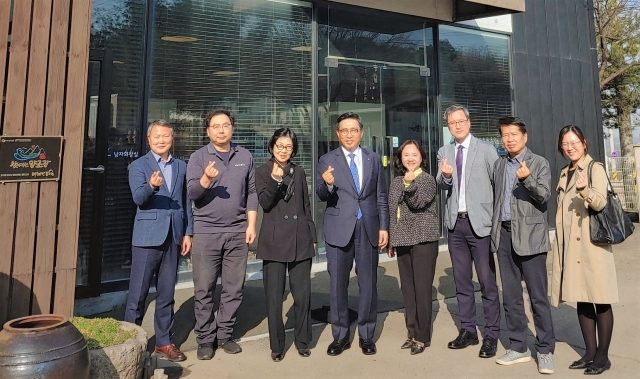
(520, 236)
(221, 183)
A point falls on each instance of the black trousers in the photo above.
(533, 270)
(417, 266)
(274, 276)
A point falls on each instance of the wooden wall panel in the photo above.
(13, 125)
(48, 207)
(73, 130)
(44, 85)
(7, 213)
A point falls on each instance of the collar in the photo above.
(159, 158)
(465, 143)
(212, 149)
(520, 157)
(357, 152)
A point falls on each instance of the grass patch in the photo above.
(101, 332)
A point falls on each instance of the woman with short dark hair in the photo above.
(287, 241)
(583, 273)
(413, 236)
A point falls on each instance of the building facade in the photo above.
(300, 64)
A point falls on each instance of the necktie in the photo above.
(459, 159)
(356, 178)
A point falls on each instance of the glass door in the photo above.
(92, 197)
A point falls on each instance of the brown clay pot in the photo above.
(43, 347)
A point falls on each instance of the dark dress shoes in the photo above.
(170, 352)
(304, 352)
(464, 339)
(368, 346)
(337, 347)
(591, 370)
(579, 365)
(489, 348)
(407, 344)
(277, 357)
(417, 348)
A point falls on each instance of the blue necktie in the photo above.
(459, 160)
(356, 178)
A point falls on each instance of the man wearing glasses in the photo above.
(465, 173)
(221, 183)
(356, 223)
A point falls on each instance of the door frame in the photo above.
(105, 58)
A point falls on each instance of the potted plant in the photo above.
(116, 348)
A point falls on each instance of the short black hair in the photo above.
(508, 120)
(348, 115)
(578, 132)
(397, 163)
(217, 112)
(284, 132)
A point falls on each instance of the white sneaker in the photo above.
(512, 357)
(545, 363)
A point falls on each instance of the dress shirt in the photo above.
(357, 159)
(165, 168)
(462, 203)
(510, 178)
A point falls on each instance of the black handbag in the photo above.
(610, 225)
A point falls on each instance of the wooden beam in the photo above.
(4, 47)
(34, 120)
(74, 120)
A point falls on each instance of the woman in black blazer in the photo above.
(287, 241)
(414, 235)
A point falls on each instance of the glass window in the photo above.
(474, 72)
(251, 57)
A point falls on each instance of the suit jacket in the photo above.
(529, 226)
(287, 232)
(479, 185)
(343, 201)
(160, 209)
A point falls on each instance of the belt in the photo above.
(506, 225)
(463, 215)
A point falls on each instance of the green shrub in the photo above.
(101, 332)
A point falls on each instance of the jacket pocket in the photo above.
(147, 216)
(530, 220)
(332, 211)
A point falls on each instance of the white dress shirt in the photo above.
(358, 159)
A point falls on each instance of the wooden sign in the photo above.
(30, 158)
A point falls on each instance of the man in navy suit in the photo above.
(356, 222)
(163, 226)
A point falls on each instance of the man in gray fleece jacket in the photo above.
(221, 183)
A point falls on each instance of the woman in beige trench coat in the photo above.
(583, 272)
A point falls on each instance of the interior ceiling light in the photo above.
(179, 39)
(225, 73)
(303, 48)
(118, 62)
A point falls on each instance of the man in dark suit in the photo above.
(467, 216)
(520, 237)
(356, 222)
(163, 226)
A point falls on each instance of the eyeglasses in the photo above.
(287, 148)
(457, 123)
(565, 145)
(216, 127)
(346, 132)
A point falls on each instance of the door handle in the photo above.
(99, 169)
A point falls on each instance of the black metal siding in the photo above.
(555, 78)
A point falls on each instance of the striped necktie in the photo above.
(459, 159)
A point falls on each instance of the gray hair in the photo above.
(455, 108)
(159, 122)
